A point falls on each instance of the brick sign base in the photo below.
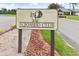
(37, 46)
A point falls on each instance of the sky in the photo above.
(67, 6)
(23, 5)
(30, 5)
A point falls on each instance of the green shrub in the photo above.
(62, 16)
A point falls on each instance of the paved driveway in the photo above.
(9, 42)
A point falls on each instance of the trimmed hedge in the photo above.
(62, 16)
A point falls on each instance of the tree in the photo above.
(12, 11)
(54, 6)
(4, 10)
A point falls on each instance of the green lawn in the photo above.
(46, 35)
(60, 45)
(73, 17)
(7, 14)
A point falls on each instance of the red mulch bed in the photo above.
(37, 46)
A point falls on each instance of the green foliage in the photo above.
(62, 16)
(66, 13)
(53, 6)
(5, 11)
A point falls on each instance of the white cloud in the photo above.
(39, 1)
(33, 4)
(3, 5)
(10, 6)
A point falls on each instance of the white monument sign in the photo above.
(37, 19)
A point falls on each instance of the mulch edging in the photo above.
(37, 46)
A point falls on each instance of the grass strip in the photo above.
(60, 45)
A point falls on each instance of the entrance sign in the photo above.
(37, 19)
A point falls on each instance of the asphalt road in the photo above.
(6, 22)
(70, 32)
